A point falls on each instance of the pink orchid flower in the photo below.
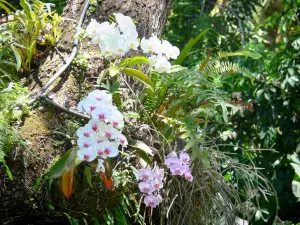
(145, 174)
(146, 187)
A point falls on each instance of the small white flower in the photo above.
(151, 45)
(85, 142)
(101, 96)
(116, 119)
(106, 49)
(124, 22)
(88, 130)
(162, 65)
(97, 39)
(169, 50)
(99, 138)
(173, 53)
(100, 166)
(102, 112)
(87, 105)
(152, 60)
(133, 43)
(121, 46)
(108, 131)
(110, 149)
(92, 28)
(88, 154)
(122, 139)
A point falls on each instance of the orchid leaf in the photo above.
(142, 150)
(139, 76)
(64, 164)
(137, 60)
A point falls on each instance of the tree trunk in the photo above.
(44, 131)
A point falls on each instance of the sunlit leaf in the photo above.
(139, 76)
(64, 164)
(134, 61)
(187, 48)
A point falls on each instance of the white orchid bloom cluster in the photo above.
(152, 183)
(161, 51)
(116, 39)
(112, 38)
(101, 136)
(179, 166)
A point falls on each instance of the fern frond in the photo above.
(253, 55)
(217, 68)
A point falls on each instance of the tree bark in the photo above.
(20, 201)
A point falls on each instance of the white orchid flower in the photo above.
(108, 131)
(100, 166)
(162, 65)
(110, 149)
(87, 154)
(102, 96)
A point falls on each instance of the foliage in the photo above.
(12, 108)
(269, 134)
(31, 27)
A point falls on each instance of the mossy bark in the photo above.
(45, 132)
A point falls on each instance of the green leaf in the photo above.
(6, 6)
(131, 115)
(38, 181)
(142, 150)
(137, 60)
(17, 56)
(259, 92)
(50, 206)
(88, 173)
(64, 164)
(224, 112)
(187, 48)
(267, 96)
(205, 159)
(7, 171)
(139, 76)
(142, 154)
(114, 70)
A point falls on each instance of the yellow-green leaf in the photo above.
(139, 76)
(137, 60)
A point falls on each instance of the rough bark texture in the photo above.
(20, 202)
